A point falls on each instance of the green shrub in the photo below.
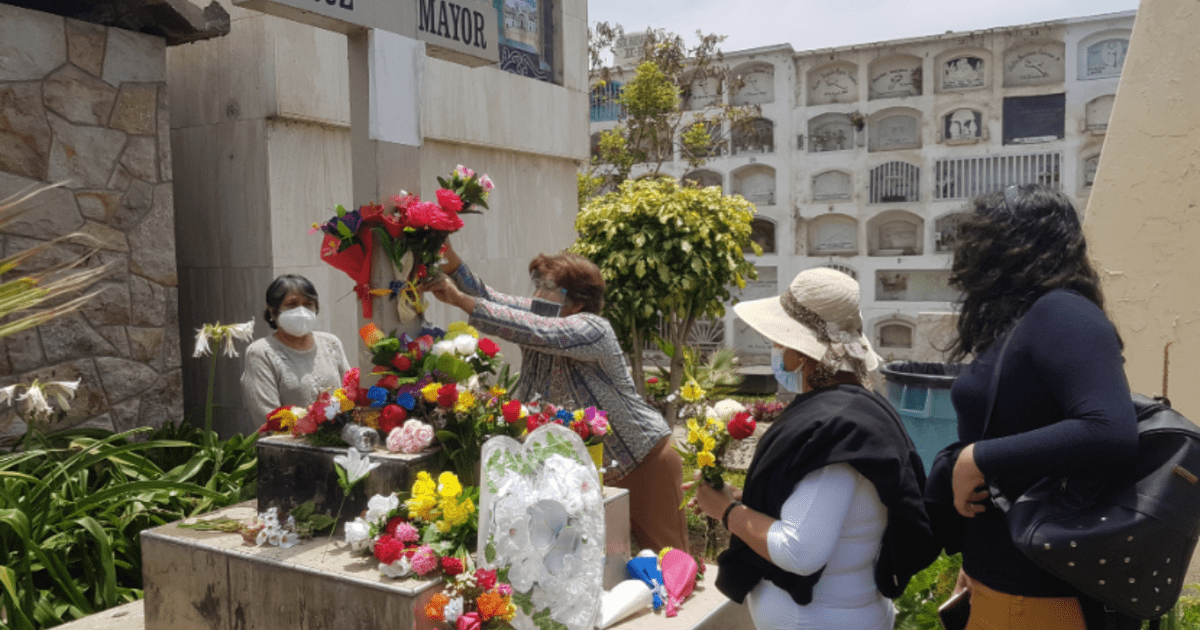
(73, 504)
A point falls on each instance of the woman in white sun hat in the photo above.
(831, 524)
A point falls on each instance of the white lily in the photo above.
(356, 465)
(37, 400)
(202, 345)
(7, 393)
(242, 332)
(358, 532)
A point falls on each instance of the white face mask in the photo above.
(788, 380)
(297, 322)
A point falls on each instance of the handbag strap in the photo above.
(998, 498)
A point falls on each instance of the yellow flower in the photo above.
(692, 391)
(579, 414)
(495, 391)
(424, 485)
(443, 526)
(421, 507)
(339, 394)
(465, 402)
(460, 328)
(709, 442)
(369, 417)
(430, 392)
(704, 459)
(510, 613)
(448, 485)
(662, 554)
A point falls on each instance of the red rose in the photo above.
(350, 380)
(581, 427)
(388, 549)
(536, 420)
(391, 417)
(391, 381)
(741, 426)
(430, 215)
(421, 271)
(425, 343)
(449, 201)
(360, 397)
(488, 347)
(452, 566)
(468, 621)
(391, 526)
(485, 578)
(447, 395)
(511, 411)
(402, 363)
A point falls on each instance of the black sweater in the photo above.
(1062, 407)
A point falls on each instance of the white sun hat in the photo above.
(817, 316)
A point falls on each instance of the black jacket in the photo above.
(840, 424)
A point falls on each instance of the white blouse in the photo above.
(833, 519)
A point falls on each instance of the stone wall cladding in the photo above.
(87, 104)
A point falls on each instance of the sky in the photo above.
(813, 24)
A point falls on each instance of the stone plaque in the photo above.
(833, 234)
(963, 73)
(962, 124)
(831, 185)
(1039, 64)
(1034, 119)
(1105, 58)
(749, 343)
(898, 131)
(705, 92)
(895, 77)
(542, 515)
(913, 286)
(899, 237)
(1098, 111)
(895, 335)
(837, 83)
(1090, 165)
(758, 87)
(757, 185)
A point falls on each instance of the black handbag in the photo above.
(1124, 537)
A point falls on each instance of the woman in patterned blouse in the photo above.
(572, 359)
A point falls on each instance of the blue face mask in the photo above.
(788, 380)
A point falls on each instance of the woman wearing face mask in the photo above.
(831, 524)
(294, 365)
(570, 357)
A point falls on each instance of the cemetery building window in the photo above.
(762, 231)
(962, 72)
(891, 131)
(895, 77)
(755, 85)
(902, 285)
(1097, 112)
(895, 233)
(895, 182)
(1104, 59)
(945, 232)
(704, 178)
(756, 183)
(833, 83)
(894, 334)
(833, 235)
(1090, 164)
(756, 136)
(964, 178)
(606, 102)
(1034, 64)
(831, 185)
(844, 269)
(962, 126)
(702, 92)
(1034, 119)
(831, 132)
(716, 146)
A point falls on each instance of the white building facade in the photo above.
(864, 155)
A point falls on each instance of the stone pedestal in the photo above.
(292, 471)
(214, 581)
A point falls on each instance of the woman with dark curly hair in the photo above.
(1062, 406)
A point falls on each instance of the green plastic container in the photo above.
(920, 392)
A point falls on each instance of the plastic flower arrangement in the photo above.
(464, 419)
(428, 531)
(590, 424)
(710, 434)
(412, 233)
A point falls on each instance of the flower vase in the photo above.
(597, 453)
